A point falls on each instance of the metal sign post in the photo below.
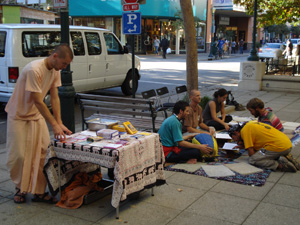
(66, 92)
(132, 26)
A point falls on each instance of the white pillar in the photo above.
(251, 73)
(177, 42)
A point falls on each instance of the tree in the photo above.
(295, 31)
(270, 12)
(191, 45)
(281, 29)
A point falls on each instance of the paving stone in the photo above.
(270, 214)
(172, 196)
(91, 212)
(284, 195)
(245, 191)
(53, 218)
(191, 180)
(11, 213)
(292, 179)
(193, 218)
(141, 213)
(224, 207)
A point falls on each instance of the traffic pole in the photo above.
(133, 67)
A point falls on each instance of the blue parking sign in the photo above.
(131, 23)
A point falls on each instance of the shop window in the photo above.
(93, 43)
(77, 42)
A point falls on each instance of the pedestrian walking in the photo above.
(164, 45)
(27, 132)
(241, 45)
(156, 43)
(233, 44)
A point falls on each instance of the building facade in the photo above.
(231, 23)
(16, 13)
(159, 18)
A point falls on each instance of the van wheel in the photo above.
(127, 84)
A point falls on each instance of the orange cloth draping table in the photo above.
(137, 166)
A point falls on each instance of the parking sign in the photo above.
(132, 23)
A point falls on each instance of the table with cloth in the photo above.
(137, 165)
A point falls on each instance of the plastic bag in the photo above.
(168, 50)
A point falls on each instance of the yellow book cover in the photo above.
(129, 128)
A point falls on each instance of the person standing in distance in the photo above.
(164, 45)
(156, 43)
(27, 132)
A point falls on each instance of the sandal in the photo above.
(19, 197)
(44, 198)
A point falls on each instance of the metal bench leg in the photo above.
(152, 191)
(59, 181)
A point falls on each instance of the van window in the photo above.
(112, 44)
(77, 42)
(39, 43)
(93, 43)
(2, 43)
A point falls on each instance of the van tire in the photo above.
(127, 84)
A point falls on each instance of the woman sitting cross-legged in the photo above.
(214, 106)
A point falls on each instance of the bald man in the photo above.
(194, 119)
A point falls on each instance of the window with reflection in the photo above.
(93, 43)
(77, 42)
(113, 46)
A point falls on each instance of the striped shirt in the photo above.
(270, 118)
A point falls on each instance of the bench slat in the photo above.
(114, 105)
(114, 99)
(118, 111)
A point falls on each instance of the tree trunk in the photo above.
(191, 45)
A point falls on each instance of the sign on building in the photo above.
(222, 3)
(60, 4)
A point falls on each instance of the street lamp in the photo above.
(66, 91)
(213, 10)
(253, 53)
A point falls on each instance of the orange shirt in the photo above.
(35, 77)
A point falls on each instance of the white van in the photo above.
(100, 61)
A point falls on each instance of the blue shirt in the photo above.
(221, 43)
(170, 132)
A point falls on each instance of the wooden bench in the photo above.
(140, 112)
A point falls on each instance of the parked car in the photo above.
(100, 61)
(295, 42)
(271, 51)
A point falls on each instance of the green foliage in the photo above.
(271, 12)
(204, 101)
(296, 30)
(279, 29)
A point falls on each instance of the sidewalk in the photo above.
(201, 201)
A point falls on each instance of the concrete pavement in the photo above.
(201, 201)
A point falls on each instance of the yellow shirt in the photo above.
(261, 135)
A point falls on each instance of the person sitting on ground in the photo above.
(267, 147)
(264, 115)
(176, 147)
(213, 107)
(194, 119)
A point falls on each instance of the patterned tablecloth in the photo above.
(137, 166)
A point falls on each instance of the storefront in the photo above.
(158, 19)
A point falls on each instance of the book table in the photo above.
(137, 165)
